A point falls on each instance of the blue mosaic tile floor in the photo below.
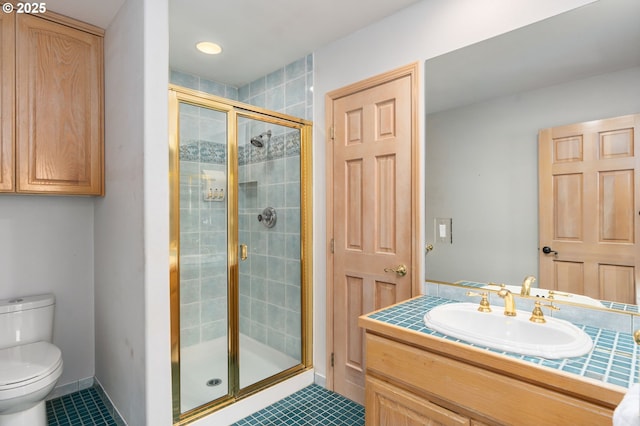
(615, 358)
(311, 406)
(83, 408)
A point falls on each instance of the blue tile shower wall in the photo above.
(195, 82)
(270, 277)
(203, 227)
(270, 303)
(270, 306)
(288, 90)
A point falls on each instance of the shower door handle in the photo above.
(243, 252)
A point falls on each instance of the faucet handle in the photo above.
(537, 315)
(484, 301)
(552, 293)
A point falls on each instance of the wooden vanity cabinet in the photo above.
(416, 379)
(391, 405)
(52, 106)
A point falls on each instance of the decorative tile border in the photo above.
(614, 358)
(280, 146)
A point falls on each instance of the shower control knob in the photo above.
(268, 217)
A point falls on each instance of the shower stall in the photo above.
(240, 185)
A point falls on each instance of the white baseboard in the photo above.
(67, 388)
(107, 402)
(320, 380)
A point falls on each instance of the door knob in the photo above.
(243, 252)
(400, 270)
(547, 250)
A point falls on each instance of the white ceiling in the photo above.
(259, 36)
(96, 12)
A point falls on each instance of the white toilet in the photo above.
(30, 364)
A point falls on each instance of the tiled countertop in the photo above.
(614, 358)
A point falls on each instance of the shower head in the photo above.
(260, 140)
(257, 141)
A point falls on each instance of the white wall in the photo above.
(119, 222)
(484, 174)
(417, 33)
(46, 246)
(132, 221)
(158, 402)
(119, 233)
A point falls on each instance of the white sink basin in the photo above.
(544, 293)
(554, 339)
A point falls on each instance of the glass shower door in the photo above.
(240, 231)
(269, 249)
(203, 293)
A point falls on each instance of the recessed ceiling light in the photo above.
(208, 47)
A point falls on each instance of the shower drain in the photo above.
(214, 382)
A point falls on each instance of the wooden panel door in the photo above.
(589, 208)
(371, 213)
(59, 134)
(7, 84)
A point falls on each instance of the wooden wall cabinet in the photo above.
(7, 96)
(416, 379)
(52, 135)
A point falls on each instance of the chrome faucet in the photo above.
(509, 302)
(526, 285)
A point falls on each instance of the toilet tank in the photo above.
(26, 319)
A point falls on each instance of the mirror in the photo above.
(485, 104)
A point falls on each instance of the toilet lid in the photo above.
(23, 363)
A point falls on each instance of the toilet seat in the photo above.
(26, 364)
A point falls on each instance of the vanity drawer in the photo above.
(489, 394)
(389, 405)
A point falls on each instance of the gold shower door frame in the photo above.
(235, 110)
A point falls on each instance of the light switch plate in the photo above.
(443, 230)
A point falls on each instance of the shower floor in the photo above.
(200, 364)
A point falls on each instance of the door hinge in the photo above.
(332, 245)
(332, 132)
(332, 359)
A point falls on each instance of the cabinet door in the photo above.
(388, 405)
(7, 83)
(59, 130)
